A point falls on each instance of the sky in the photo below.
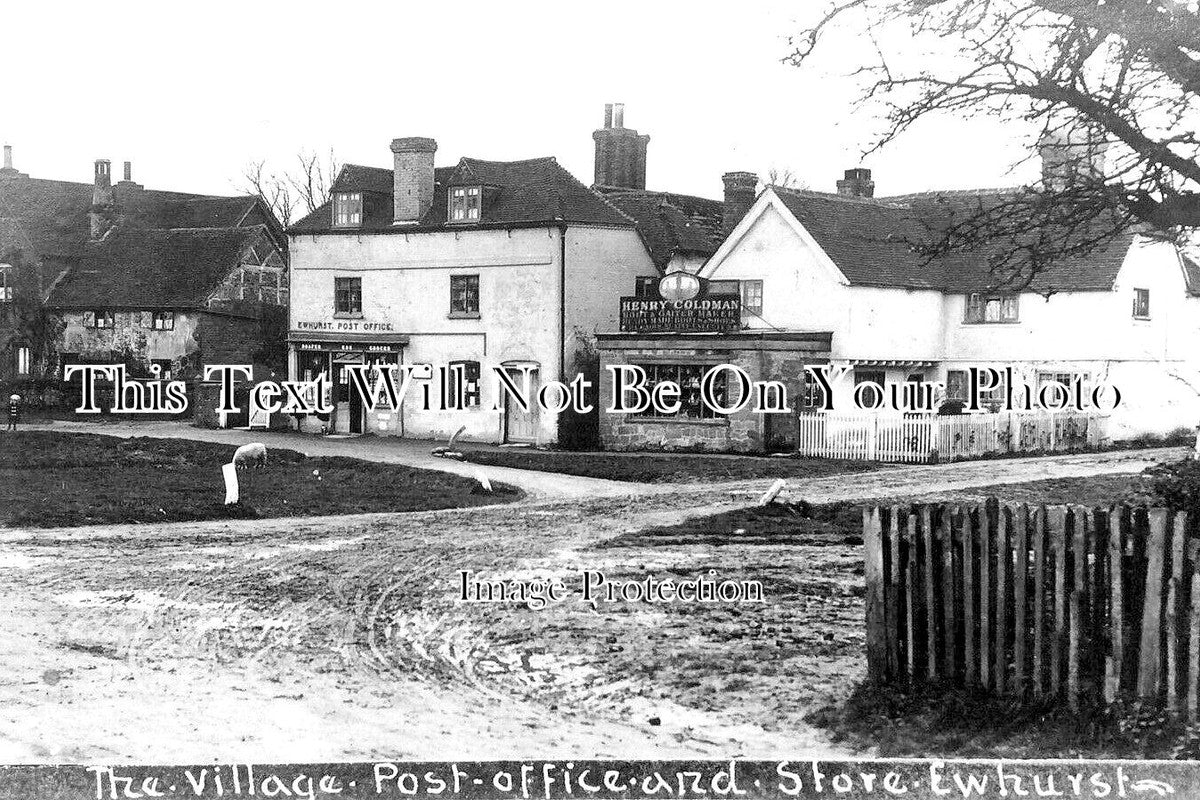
(193, 93)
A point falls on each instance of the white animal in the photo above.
(250, 455)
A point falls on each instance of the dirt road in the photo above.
(343, 638)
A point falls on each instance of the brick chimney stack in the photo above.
(620, 151)
(125, 189)
(412, 178)
(740, 189)
(857, 183)
(103, 209)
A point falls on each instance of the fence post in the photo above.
(876, 616)
(1020, 604)
(1058, 543)
(931, 605)
(1149, 667)
(1174, 587)
(935, 437)
(1116, 604)
(1193, 671)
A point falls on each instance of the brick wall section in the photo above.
(762, 357)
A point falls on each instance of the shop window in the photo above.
(993, 308)
(464, 203)
(163, 321)
(469, 371)
(687, 377)
(1141, 303)
(464, 295)
(347, 209)
(347, 296)
(752, 297)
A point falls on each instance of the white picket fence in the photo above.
(922, 438)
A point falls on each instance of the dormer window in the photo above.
(465, 203)
(347, 209)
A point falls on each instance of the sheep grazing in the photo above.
(250, 455)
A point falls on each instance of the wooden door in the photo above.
(521, 426)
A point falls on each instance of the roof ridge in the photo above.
(885, 202)
(552, 159)
(955, 192)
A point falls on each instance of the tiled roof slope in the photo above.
(670, 223)
(878, 241)
(534, 191)
(142, 267)
(165, 250)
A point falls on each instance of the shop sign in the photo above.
(698, 315)
(349, 347)
(344, 326)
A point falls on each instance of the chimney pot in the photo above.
(618, 115)
(412, 178)
(740, 190)
(128, 171)
(608, 111)
(8, 156)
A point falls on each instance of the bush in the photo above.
(1176, 485)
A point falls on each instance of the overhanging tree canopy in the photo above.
(1112, 84)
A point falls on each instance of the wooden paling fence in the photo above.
(1079, 604)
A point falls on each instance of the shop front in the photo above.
(680, 336)
(328, 356)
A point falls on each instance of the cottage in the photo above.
(841, 268)
(163, 282)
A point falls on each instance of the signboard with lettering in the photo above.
(351, 347)
(721, 314)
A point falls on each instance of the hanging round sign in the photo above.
(679, 286)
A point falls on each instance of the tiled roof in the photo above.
(670, 223)
(534, 191)
(166, 249)
(879, 241)
(55, 213)
(140, 267)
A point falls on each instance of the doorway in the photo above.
(520, 427)
(348, 406)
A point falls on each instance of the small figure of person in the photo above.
(14, 411)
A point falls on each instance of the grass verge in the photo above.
(50, 479)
